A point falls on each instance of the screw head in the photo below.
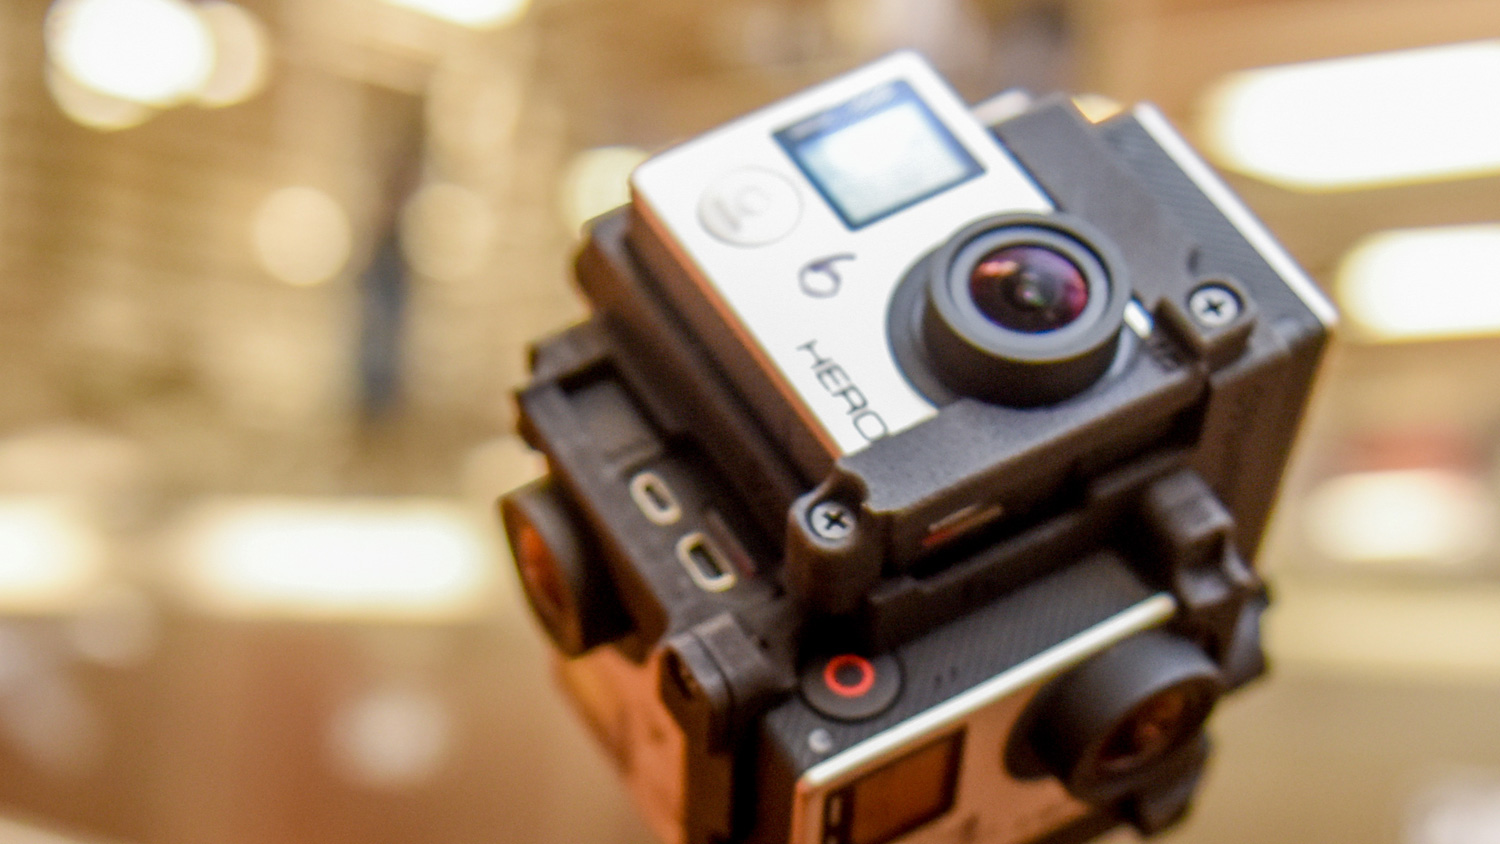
(831, 520)
(1214, 305)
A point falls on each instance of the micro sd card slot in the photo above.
(960, 522)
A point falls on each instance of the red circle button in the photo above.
(849, 675)
(851, 687)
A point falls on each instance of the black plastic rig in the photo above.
(674, 520)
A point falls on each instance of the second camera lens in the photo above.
(1109, 725)
(1028, 288)
(575, 601)
(1156, 726)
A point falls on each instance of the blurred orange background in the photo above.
(270, 268)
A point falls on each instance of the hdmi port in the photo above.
(704, 562)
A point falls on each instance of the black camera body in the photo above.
(905, 480)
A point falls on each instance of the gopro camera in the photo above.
(905, 480)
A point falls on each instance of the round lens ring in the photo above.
(1119, 719)
(1028, 288)
(1022, 309)
(538, 568)
(575, 602)
(1150, 730)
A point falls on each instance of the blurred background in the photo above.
(270, 268)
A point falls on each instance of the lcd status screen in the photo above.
(898, 797)
(878, 153)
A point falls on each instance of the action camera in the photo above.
(905, 481)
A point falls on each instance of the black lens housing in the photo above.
(571, 598)
(1100, 728)
(974, 353)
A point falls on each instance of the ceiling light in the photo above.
(152, 52)
(1338, 124)
(330, 559)
(1423, 283)
(478, 14)
(1425, 516)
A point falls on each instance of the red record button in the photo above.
(849, 675)
(851, 687)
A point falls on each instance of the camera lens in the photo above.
(1154, 727)
(1115, 721)
(1021, 310)
(573, 600)
(1028, 288)
(541, 577)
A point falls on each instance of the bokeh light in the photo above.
(361, 558)
(391, 738)
(90, 108)
(242, 54)
(596, 181)
(1345, 123)
(50, 556)
(447, 231)
(302, 236)
(472, 111)
(153, 52)
(1424, 516)
(117, 626)
(1424, 283)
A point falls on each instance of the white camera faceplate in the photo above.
(989, 804)
(798, 221)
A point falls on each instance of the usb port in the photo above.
(704, 563)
